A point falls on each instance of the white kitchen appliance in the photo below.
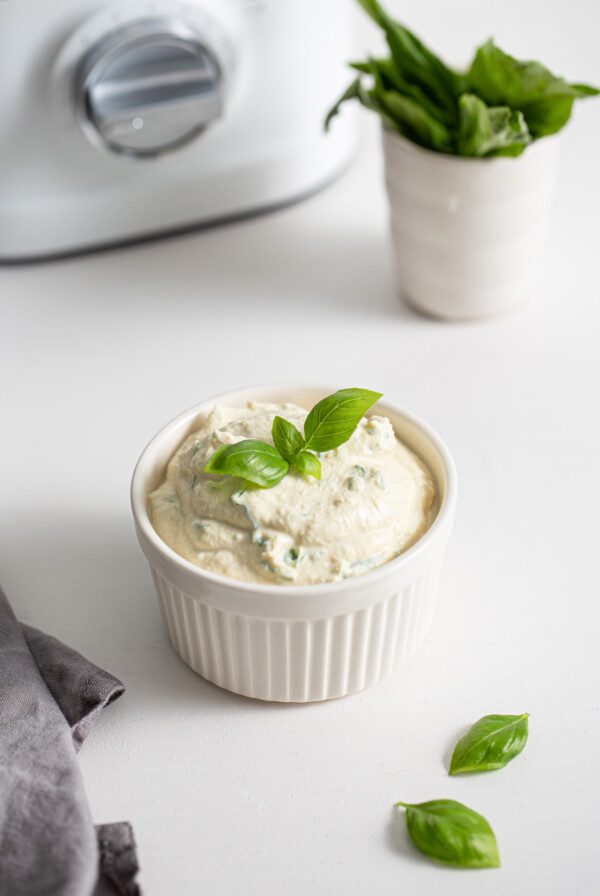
(124, 120)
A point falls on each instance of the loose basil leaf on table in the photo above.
(450, 832)
(251, 460)
(308, 463)
(288, 440)
(490, 743)
(333, 420)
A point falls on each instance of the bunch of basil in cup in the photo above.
(470, 160)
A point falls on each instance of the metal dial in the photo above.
(149, 87)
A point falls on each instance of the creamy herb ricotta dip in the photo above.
(375, 499)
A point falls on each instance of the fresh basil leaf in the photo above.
(387, 73)
(415, 62)
(357, 91)
(452, 833)
(288, 440)
(585, 90)
(251, 460)
(352, 92)
(308, 463)
(370, 99)
(410, 119)
(333, 420)
(491, 743)
(409, 112)
(485, 131)
(510, 134)
(549, 115)
(414, 122)
(544, 99)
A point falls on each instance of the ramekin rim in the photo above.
(144, 524)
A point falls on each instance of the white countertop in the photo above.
(230, 797)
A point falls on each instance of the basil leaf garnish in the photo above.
(307, 463)
(333, 420)
(491, 743)
(251, 460)
(452, 833)
(495, 108)
(288, 440)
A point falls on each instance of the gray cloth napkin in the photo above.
(49, 697)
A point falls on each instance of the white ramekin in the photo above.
(467, 234)
(286, 642)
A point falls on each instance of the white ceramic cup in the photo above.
(467, 234)
(296, 643)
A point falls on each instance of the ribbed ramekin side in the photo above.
(297, 660)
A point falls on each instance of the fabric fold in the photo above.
(118, 857)
(49, 698)
(80, 688)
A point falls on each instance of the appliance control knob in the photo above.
(149, 87)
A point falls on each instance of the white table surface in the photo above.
(229, 796)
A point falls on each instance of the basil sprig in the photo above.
(329, 424)
(452, 833)
(490, 743)
(495, 108)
